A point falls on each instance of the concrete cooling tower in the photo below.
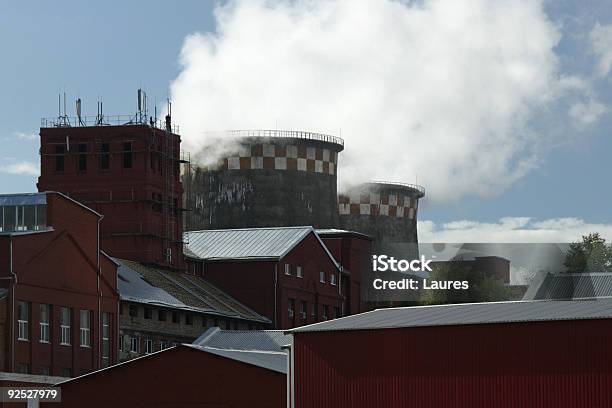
(386, 211)
(272, 178)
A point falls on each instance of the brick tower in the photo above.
(126, 168)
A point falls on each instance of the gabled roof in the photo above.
(254, 340)
(469, 313)
(247, 243)
(147, 284)
(565, 286)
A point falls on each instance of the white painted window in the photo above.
(299, 272)
(148, 346)
(105, 339)
(134, 344)
(44, 322)
(65, 324)
(287, 269)
(322, 277)
(23, 314)
(332, 279)
(85, 328)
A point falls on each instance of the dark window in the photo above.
(303, 310)
(291, 308)
(45, 370)
(133, 311)
(189, 319)
(105, 156)
(127, 155)
(23, 368)
(148, 313)
(66, 372)
(337, 312)
(161, 315)
(60, 151)
(82, 157)
(175, 317)
(325, 315)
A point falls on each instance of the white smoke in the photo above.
(439, 90)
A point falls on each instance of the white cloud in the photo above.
(511, 229)
(23, 168)
(586, 113)
(601, 46)
(25, 136)
(442, 90)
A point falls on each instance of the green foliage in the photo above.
(592, 254)
(482, 288)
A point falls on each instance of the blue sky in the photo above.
(109, 50)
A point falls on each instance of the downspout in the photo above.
(275, 290)
(340, 290)
(99, 330)
(12, 320)
(287, 349)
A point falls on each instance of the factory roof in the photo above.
(254, 340)
(334, 231)
(469, 313)
(566, 286)
(161, 287)
(247, 243)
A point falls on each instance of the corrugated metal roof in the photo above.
(472, 313)
(23, 199)
(146, 284)
(133, 287)
(245, 243)
(259, 340)
(565, 286)
(275, 361)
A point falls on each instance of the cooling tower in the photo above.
(272, 178)
(386, 211)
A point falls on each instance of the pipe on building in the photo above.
(12, 319)
(275, 291)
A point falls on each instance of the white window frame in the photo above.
(298, 272)
(85, 331)
(321, 277)
(164, 344)
(22, 325)
(134, 341)
(332, 279)
(287, 269)
(148, 346)
(291, 310)
(44, 326)
(65, 329)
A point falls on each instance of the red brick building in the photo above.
(59, 299)
(129, 173)
(286, 274)
(353, 252)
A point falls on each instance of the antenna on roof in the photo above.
(169, 117)
(100, 114)
(142, 106)
(78, 112)
(62, 119)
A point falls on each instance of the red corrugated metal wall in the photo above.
(536, 364)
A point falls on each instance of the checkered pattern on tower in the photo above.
(283, 157)
(378, 204)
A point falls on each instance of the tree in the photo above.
(592, 254)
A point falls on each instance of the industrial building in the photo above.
(58, 295)
(286, 274)
(184, 376)
(268, 178)
(568, 286)
(507, 354)
(161, 308)
(126, 169)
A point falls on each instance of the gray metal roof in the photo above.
(247, 243)
(254, 340)
(23, 199)
(565, 286)
(133, 287)
(275, 361)
(470, 313)
(146, 284)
